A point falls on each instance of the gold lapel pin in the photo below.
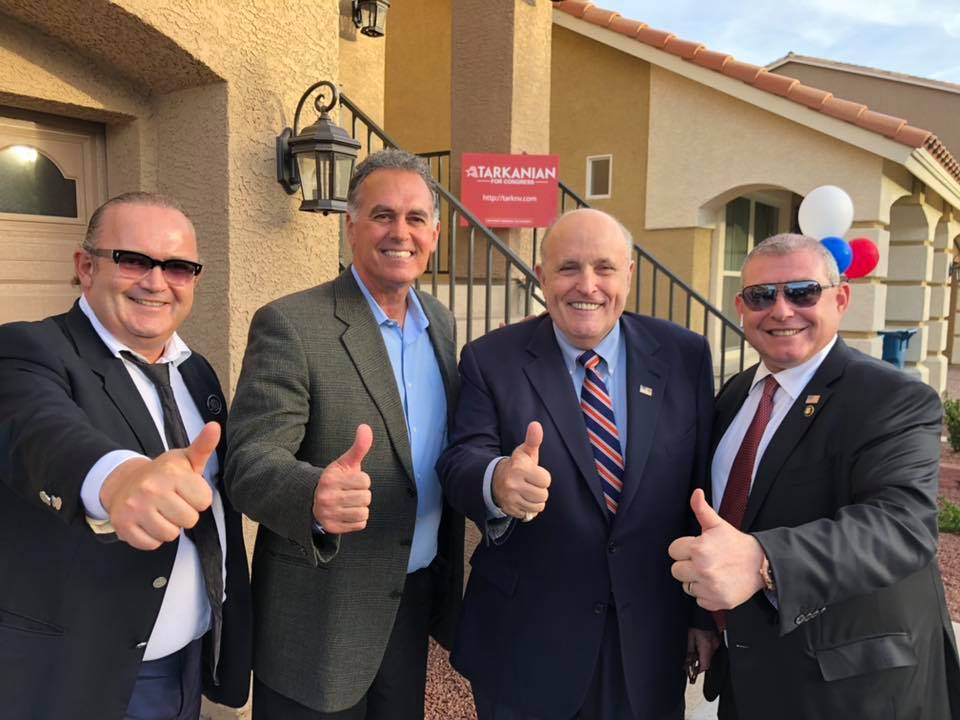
(645, 390)
(808, 410)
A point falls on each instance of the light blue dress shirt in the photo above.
(421, 389)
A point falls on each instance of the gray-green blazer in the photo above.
(316, 367)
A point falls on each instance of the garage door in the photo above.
(51, 180)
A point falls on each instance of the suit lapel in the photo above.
(795, 425)
(116, 381)
(444, 348)
(364, 344)
(644, 370)
(549, 378)
(206, 395)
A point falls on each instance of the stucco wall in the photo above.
(703, 143)
(417, 86)
(193, 94)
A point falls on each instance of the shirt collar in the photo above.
(175, 351)
(606, 348)
(414, 308)
(794, 380)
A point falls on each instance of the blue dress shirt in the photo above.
(421, 389)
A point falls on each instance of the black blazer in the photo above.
(76, 608)
(535, 609)
(844, 505)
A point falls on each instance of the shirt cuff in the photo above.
(93, 482)
(493, 512)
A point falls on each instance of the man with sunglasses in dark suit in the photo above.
(124, 590)
(819, 549)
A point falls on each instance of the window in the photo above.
(30, 184)
(748, 222)
(599, 176)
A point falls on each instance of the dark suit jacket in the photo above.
(844, 505)
(536, 603)
(75, 608)
(315, 368)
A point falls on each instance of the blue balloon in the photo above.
(840, 249)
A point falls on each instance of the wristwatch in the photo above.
(766, 574)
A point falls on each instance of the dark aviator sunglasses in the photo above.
(799, 293)
(136, 265)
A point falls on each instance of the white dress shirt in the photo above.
(185, 611)
(792, 381)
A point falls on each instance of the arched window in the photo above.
(31, 184)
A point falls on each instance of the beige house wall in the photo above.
(417, 88)
(924, 106)
(705, 145)
(192, 95)
(599, 105)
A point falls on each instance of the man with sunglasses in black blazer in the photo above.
(123, 576)
(818, 545)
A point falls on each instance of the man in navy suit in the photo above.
(578, 438)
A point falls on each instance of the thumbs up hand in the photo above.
(341, 502)
(149, 501)
(720, 567)
(520, 485)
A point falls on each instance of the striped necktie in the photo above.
(601, 430)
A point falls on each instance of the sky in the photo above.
(909, 36)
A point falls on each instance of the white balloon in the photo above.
(826, 211)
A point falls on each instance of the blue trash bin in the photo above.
(895, 343)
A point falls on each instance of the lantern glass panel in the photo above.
(307, 163)
(342, 173)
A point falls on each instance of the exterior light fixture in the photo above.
(371, 16)
(318, 159)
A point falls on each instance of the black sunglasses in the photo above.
(799, 293)
(135, 265)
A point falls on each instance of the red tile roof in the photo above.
(759, 77)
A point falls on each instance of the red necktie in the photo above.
(602, 430)
(734, 503)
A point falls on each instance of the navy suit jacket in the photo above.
(536, 603)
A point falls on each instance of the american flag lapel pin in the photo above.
(646, 390)
(811, 407)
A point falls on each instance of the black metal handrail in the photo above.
(657, 292)
(713, 324)
(464, 233)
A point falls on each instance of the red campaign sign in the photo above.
(509, 191)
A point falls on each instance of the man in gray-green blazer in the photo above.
(340, 413)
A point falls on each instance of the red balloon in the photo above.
(865, 258)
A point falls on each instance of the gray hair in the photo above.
(790, 243)
(137, 197)
(627, 237)
(392, 159)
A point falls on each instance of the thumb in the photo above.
(706, 515)
(203, 446)
(362, 443)
(531, 444)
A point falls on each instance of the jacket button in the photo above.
(612, 548)
(396, 594)
(599, 608)
(411, 492)
(159, 582)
